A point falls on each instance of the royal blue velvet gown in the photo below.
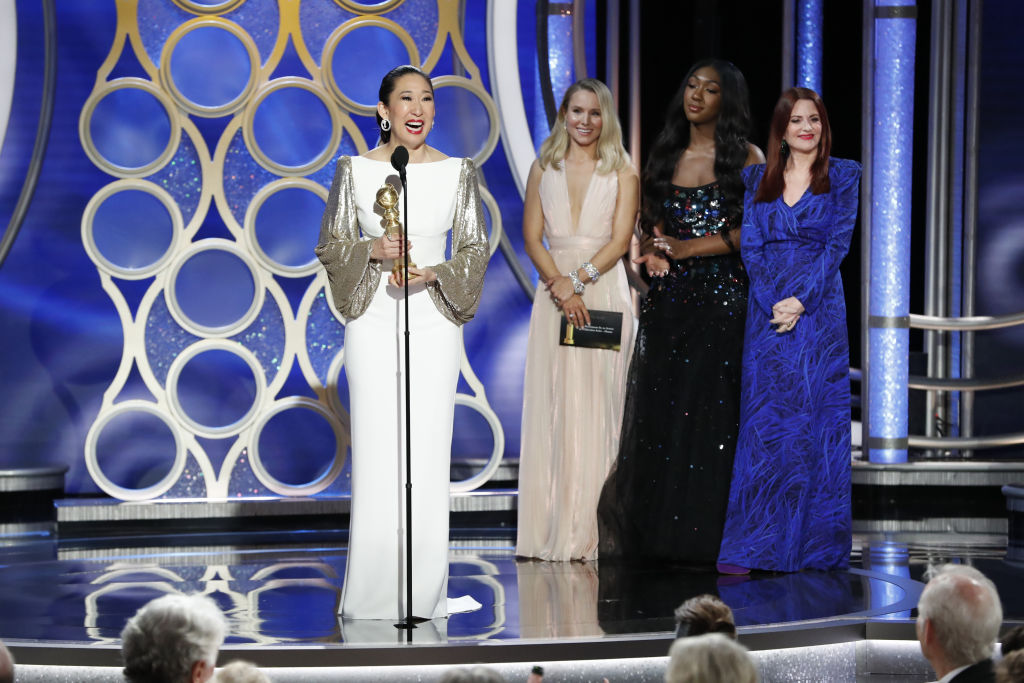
(789, 502)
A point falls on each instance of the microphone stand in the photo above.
(410, 621)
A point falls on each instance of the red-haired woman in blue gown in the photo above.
(789, 502)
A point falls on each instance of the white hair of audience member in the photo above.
(173, 639)
(240, 671)
(475, 674)
(709, 658)
(963, 607)
(6, 665)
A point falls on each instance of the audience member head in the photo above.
(239, 671)
(710, 658)
(1011, 668)
(1013, 640)
(173, 639)
(471, 674)
(704, 614)
(6, 665)
(958, 619)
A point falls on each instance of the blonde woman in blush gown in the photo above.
(582, 197)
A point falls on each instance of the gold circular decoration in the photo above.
(250, 138)
(249, 227)
(92, 457)
(203, 8)
(332, 44)
(174, 398)
(229, 329)
(341, 441)
(492, 111)
(369, 7)
(89, 240)
(167, 81)
(85, 134)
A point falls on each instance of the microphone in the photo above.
(399, 160)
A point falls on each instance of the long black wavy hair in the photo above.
(731, 130)
(387, 86)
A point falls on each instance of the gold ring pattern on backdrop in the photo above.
(249, 228)
(174, 400)
(85, 132)
(167, 78)
(476, 89)
(207, 8)
(320, 483)
(369, 7)
(237, 208)
(92, 455)
(331, 46)
(249, 135)
(89, 238)
(208, 331)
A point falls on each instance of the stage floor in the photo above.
(65, 603)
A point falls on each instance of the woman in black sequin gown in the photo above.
(665, 498)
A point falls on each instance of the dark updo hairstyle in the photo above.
(387, 86)
(731, 130)
(704, 614)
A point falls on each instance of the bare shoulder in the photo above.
(627, 173)
(535, 171)
(377, 154)
(628, 178)
(754, 155)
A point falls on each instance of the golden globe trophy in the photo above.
(387, 197)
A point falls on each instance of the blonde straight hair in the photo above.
(611, 155)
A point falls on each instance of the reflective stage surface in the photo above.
(280, 594)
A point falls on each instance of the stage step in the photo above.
(79, 518)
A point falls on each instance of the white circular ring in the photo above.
(249, 231)
(476, 89)
(249, 136)
(341, 439)
(167, 80)
(331, 46)
(92, 460)
(89, 240)
(173, 119)
(497, 452)
(222, 331)
(174, 374)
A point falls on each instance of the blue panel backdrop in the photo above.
(98, 324)
(1000, 245)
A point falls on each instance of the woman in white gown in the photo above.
(443, 197)
(582, 196)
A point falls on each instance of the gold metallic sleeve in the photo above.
(352, 274)
(456, 293)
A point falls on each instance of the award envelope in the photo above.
(603, 332)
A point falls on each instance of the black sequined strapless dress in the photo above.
(666, 496)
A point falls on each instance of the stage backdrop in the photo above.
(166, 328)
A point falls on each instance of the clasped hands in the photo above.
(386, 247)
(785, 314)
(658, 249)
(566, 298)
